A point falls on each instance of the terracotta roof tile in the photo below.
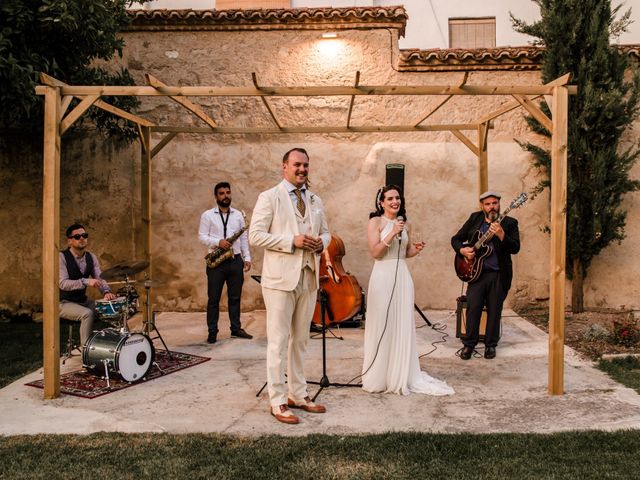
(270, 19)
(500, 58)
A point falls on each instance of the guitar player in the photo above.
(490, 288)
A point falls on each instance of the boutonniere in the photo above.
(312, 198)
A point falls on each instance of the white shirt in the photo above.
(211, 230)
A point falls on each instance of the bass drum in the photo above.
(127, 355)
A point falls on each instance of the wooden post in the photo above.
(483, 166)
(145, 199)
(558, 239)
(50, 243)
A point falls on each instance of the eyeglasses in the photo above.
(78, 236)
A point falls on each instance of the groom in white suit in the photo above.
(289, 222)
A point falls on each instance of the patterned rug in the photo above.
(83, 384)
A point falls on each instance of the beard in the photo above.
(493, 215)
(225, 202)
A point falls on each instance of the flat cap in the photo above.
(489, 193)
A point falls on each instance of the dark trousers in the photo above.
(231, 272)
(484, 292)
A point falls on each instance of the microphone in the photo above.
(400, 218)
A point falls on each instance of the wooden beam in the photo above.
(188, 104)
(533, 109)
(449, 97)
(77, 112)
(326, 91)
(321, 129)
(161, 144)
(507, 107)
(143, 141)
(264, 102)
(483, 158)
(50, 244)
(146, 189)
(461, 136)
(66, 101)
(124, 114)
(558, 239)
(54, 82)
(353, 98)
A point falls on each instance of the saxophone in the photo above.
(219, 255)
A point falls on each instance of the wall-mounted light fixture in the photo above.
(330, 35)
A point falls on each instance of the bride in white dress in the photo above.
(390, 355)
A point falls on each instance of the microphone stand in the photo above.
(324, 381)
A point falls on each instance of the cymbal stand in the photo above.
(324, 381)
(150, 323)
(125, 314)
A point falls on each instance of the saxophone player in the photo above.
(218, 226)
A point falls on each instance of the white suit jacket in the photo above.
(273, 226)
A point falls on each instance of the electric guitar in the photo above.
(469, 270)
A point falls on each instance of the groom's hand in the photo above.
(308, 243)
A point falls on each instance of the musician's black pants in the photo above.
(231, 272)
(486, 291)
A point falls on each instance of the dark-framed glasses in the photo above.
(78, 236)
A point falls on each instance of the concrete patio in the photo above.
(508, 394)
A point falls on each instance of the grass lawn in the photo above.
(624, 370)
(584, 455)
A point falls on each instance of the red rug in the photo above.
(83, 384)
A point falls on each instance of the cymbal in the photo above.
(151, 283)
(124, 269)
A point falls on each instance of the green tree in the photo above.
(63, 38)
(575, 34)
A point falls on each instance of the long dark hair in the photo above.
(380, 197)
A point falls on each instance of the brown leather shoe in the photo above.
(284, 415)
(307, 405)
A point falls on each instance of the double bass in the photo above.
(343, 291)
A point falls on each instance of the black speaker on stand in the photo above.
(395, 175)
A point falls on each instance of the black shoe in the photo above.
(212, 338)
(489, 352)
(241, 334)
(466, 353)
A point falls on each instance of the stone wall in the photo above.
(101, 179)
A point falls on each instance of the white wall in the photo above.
(428, 25)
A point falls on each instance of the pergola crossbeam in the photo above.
(110, 90)
(188, 104)
(461, 136)
(265, 103)
(161, 144)
(64, 105)
(77, 112)
(320, 129)
(353, 98)
(507, 107)
(533, 109)
(449, 97)
(54, 82)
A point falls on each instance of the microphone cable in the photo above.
(386, 320)
(441, 329)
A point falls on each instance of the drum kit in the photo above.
(116, 351)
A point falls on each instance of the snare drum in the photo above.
(126, 354)
(110, 309)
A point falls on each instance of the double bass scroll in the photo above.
(342, 289)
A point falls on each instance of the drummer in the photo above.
(80, 269)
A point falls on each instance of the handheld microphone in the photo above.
(400, 218)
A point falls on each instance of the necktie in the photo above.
(300, 203)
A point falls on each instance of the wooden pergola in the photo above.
(57, 120)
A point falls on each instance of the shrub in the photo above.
(626, 332)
